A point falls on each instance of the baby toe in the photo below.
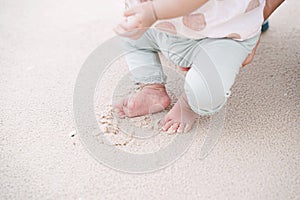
(167, 125)
(174, 128)
(181, 127)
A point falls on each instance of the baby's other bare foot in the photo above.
(150, 99)
(180, 118)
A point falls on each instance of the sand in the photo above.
(43, 45)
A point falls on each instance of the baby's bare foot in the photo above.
(150, 99)
(180, 118)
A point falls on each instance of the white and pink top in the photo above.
(237, 19)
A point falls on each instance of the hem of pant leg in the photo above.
(151, 80)
(208, 112)
(143, 81)
(150, 83)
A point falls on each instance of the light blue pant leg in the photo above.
(143, 60)
(214, 66)
(216, 62)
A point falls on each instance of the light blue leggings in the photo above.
(214, 65)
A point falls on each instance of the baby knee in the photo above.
(203, 98)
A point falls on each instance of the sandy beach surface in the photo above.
(43, 45)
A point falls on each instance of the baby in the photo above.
(210, 38)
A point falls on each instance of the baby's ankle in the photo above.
(154, 86)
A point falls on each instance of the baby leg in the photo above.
(145, 67)
(216, 63)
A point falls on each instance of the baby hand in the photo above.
(138, 19)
